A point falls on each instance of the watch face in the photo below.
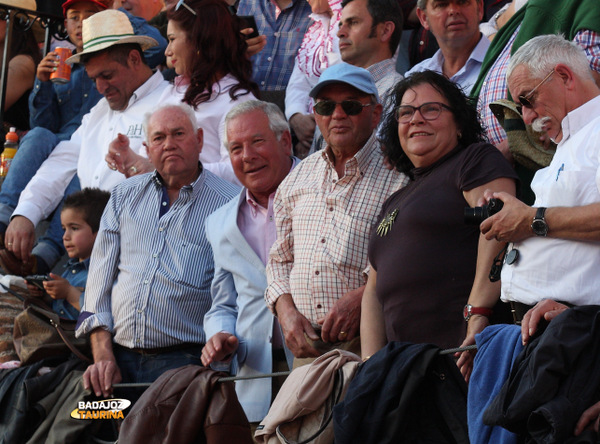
(539, 227)
(467, 312)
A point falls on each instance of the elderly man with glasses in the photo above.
(554, 254)
(324, 212)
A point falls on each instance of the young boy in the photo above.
(80, 218)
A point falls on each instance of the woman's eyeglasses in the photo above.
(527, 100)
(350, 107)
(429, 111)
(181, 3)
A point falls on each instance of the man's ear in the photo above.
(147, 149)
(387, 31)
(286, 142)
(423, 18)
(134, 57)
(566, 74)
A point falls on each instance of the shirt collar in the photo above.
(362, 158)
(146, 88)
(194, 187)
(380, 69)
(580, 117)
(75, 262)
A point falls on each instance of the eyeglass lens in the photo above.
(429, 111)
(350, 107)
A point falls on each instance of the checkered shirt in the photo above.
(285, 29)
(323, 228)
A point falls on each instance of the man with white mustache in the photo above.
(554, 254)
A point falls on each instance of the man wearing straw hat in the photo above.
(112, 55)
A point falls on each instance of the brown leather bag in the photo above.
(39, 333)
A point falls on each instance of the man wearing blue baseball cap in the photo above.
(324, 211)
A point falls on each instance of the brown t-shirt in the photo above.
(426, 263)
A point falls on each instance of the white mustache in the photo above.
(539, 123)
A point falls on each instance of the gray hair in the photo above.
(542, 53)
(277, 122)
(421, 4)
(183, 107)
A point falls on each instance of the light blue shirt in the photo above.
(150, 274)
(467, 75)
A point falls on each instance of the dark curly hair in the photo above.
(463, 110)
(220, 47)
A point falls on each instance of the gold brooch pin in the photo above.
(387, 222)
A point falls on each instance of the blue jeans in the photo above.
(139, 368)
(33, 150)
(147, 368)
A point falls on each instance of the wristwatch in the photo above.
(469, 311)
(539, 225)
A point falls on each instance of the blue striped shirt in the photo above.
(285, 29)
(150, 274)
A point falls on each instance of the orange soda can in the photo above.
(63, 70)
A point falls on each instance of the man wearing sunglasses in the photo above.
(324, 211)
(554, 251)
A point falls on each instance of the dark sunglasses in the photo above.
(350, 107)
(527, 100)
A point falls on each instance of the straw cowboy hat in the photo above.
(107, 28)
(21, 4)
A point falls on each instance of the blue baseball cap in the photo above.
(354, 76)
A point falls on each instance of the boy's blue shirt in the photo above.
(76, 273)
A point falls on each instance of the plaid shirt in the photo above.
(285, 29)
(495, 87)
(323, 228)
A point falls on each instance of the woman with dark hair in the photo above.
(423, 255)
(208, 52)
(24, 55)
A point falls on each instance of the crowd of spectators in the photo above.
(281, 192)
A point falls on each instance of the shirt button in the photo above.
(145, 282)
(161, 229)
(330, 208)
(322, 241)
(319, 306)
(269, 58)
(137, 341)
(317, 272)
(276, 34)
(73, 271)
(164, 204)
(155, 255)
(140, 310)
(85, 95)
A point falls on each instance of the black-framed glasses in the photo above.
(350, 107)
(429, 111)
(181, 3)
(527, 100)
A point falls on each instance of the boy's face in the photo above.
(76, 14)
(78, 237)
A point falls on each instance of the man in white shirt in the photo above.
(113, 59)
(555, 250)
(455, 25)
